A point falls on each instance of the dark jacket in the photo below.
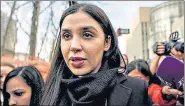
(129, 91)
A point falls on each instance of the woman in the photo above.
(158, 93)
(140, 69)
(23, 86)
(85, 67)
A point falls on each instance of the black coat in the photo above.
(129, 91)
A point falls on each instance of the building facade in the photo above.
(163, 16)
(178, 25)
(137, 40)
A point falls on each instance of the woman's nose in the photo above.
(75, 45)
(12, 101)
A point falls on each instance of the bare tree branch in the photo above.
(17, 10)
(57, 32)
(22, 5)
(8, 4)
(8, 25)
(34, 27)
(21, 26)
(44, 38)
(53, 43)
(15, 37)
(65, 3)
(52, 21)
(53, 33)
(28, 49)
(47, 7)
(17, 21)
(51, 16)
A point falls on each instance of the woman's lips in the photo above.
(77, 61)
(77, 64)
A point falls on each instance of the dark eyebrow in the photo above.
(64, 29)
(83, 28)
(89, 27)
(19, 90)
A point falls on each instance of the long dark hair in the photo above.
(59, 70)
(141, 65)
(144, 68)
(32, 77)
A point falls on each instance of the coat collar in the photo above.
(124, 89)
(121, 93)
(122, 78)
(127, 92)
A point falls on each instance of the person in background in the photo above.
(156, 61)
(84, 71)
(23, 86)
(5, 69)
(158, 57)
(140, 69)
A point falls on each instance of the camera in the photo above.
(172, 43)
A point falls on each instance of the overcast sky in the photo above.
(120, 13)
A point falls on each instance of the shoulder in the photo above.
(132, 82)
(130, 91)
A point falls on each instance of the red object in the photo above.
(155, 92)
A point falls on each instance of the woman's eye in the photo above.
(66, 35)
(87, 35)
(18, 93)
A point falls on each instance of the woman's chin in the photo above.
(80, 71)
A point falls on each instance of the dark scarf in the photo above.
(91, 89)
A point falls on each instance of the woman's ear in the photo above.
(107, 43)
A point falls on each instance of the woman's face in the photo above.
(82, 43)
(19, 91)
